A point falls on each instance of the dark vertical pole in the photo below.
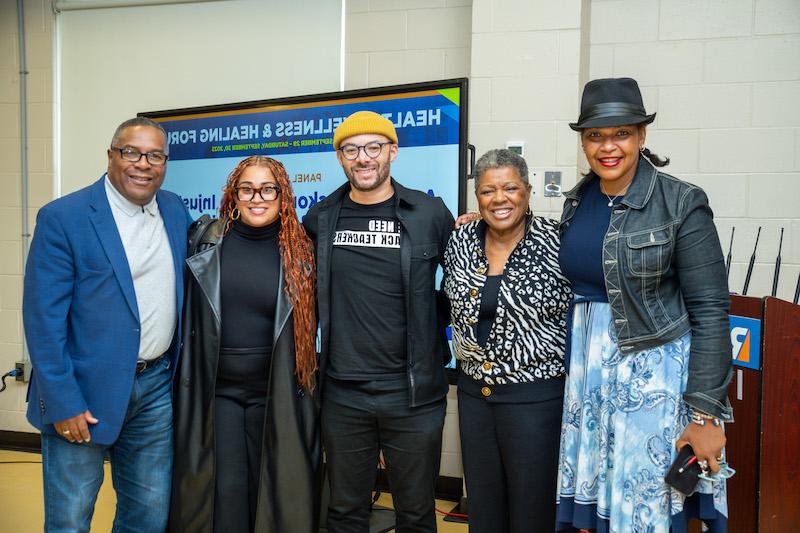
(777, 273)
(750, 266)
(728, 260)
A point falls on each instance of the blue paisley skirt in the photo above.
(622, 416)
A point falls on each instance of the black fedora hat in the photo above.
(611, 102)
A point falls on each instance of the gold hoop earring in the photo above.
(235, 213)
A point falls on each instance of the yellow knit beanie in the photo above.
(364, 122)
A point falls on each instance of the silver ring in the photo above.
(703, 465)
(721, 458)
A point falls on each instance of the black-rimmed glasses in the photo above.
(373, 150)
(246, 193)
(134, 156)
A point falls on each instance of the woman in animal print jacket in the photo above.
(508, 309)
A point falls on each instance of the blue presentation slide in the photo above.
(206, 146)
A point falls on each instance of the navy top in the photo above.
(581, 253)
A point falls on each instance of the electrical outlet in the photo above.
(552, 183)
(23, 369)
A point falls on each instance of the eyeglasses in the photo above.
(246, 193)
(373, 150)
(134, 156)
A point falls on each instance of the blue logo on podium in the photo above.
(746, 341)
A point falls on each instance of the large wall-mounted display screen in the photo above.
(206, 143)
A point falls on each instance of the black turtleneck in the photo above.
(250, 271)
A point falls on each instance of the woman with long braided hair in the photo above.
(247, 441)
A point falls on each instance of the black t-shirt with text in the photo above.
(368, 320)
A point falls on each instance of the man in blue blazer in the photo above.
(101, 308)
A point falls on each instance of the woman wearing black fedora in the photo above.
(649, 347)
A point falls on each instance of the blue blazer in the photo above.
(79, 310)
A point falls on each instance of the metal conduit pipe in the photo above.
(23, 144)
(66, 5)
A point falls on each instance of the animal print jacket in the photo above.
(526, 340)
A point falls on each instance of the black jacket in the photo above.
(425, 226)
(288, 497)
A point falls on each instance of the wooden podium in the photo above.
(764, 440)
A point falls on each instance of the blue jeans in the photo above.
(141, 465)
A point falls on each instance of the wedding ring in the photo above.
(65, 432)
(703, 465)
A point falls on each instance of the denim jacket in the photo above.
(665, 276)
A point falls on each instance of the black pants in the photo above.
(361, 419)
(239, 406)
(510, 457)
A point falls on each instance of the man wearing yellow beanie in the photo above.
(382, 379)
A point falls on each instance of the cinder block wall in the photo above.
(391, 42)
(38, 30)
(525, 81)
(724, 77)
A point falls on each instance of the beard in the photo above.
(382, 174)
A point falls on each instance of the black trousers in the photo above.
(239, 405)
(510, 457)
(359, 420)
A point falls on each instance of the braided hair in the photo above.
(297, 253)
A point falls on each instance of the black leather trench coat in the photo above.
(290, 482)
